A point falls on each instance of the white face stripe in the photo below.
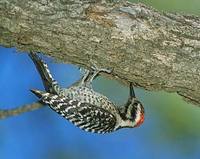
(128, 115)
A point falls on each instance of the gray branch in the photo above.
(155, 50)
(22, 109)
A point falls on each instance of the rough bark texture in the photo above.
(156, 51)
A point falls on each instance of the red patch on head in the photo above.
(140, 121)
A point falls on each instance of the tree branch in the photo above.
(22, 109)
(156, 51)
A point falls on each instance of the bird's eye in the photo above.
(136, 103)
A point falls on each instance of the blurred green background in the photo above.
(178, 122)
(171, 128)
(181, 6)
(180, 119)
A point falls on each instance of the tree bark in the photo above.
(155, 50)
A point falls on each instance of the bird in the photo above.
(83, 106)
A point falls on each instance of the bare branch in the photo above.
(154, 50)
(22, 109)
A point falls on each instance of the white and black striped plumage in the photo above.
(85, 108)
(84, 115)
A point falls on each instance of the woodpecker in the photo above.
(84, 107)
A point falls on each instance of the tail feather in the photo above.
(49, 83)
(50, 99)
(38, 93)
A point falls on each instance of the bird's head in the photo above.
(134, 112)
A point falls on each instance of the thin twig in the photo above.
(22, 109)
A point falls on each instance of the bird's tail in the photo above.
(38, 93)
(45, 97)
(49, 83)
(53, 100)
